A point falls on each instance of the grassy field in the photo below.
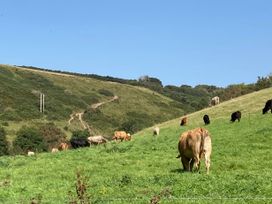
(146, 167)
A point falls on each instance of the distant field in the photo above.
(146, 167)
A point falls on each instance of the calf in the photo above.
(236, 116)
(192, 146)
(206, 119)
(156, 131)
(54, 150)
(183, 121)
(63, 146)
(30, 153)
(268, 106)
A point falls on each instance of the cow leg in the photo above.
(191, 164)
(207, 162)
(196, 162)
(185, 163)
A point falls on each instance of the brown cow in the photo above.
(121, 135)
(63, 146)
(183, 121)
(192, 146)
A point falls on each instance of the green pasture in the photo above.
(146, 168)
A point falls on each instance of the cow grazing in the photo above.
(236, 116)
(268, 106)
(79, 142)
(30, 153)
(193, 146)
(95, 140)
(206, 119)
(63, 146)
(183, 121)
(214, 101)
(121, 135)
(156, 131)
(54, 150)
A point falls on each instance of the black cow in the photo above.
(79, 142)
(236, 116)
(268, 106)
(206, 119)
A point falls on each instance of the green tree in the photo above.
(29, 138)
(3, 142)
(52, 135)
(80, 134)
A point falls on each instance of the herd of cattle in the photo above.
(87, 142)
(193, 144)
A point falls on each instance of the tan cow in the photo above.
(121, 135)
(192, 146)
(63, 146)
(54, 150)
(97, 139)
(215, 101)
(156, 131)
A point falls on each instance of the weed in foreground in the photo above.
(81, 186)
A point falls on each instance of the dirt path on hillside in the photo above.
(94, 106)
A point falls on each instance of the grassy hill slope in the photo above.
(146, 167)
(66, 94)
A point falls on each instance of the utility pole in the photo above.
(41, 102)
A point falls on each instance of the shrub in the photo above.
(29, 138)
(52, 135)
(80, 134)
(66, 128)
(5, 124)
(136, 121)
(3, 142)
(130, 126)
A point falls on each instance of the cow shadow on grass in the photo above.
(182, 171)
(179, 170)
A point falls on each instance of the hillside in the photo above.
(190, 98)
(147, 168)
(65, 95)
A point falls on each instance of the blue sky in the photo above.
(180, 42)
